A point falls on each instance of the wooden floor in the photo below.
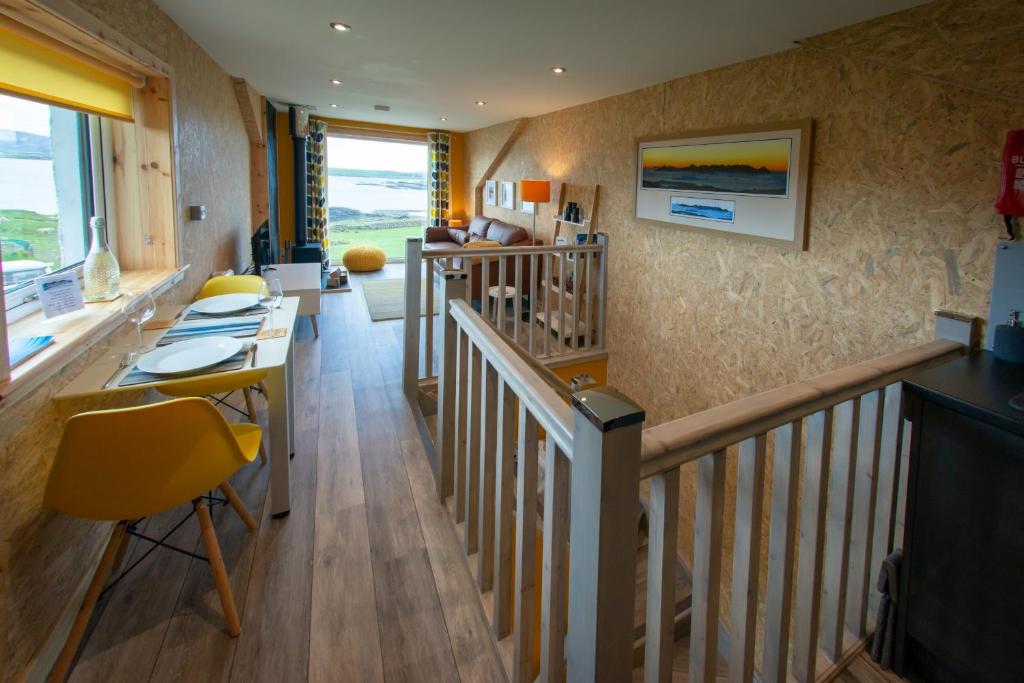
(364, 581)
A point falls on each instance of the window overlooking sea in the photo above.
(376, 193)
(45, 188)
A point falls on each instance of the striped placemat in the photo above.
(235, 362)
(258, 309)
(231, 327)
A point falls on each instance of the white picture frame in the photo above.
(746, 183)
(528, 208)
(508, 194)
(491, 193)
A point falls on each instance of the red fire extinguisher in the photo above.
(1011, 188)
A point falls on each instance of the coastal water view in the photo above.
(757, 167)
(722, 210)
(376, 193)
(29, 228)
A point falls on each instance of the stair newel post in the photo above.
(453, 287)
(411, 347)
(603, 538)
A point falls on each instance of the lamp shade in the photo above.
(535, 190)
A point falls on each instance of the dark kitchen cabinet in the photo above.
(961, 610)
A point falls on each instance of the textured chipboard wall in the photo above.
(904, 174)
(44, 556)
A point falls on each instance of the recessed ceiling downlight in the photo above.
(480, 103)
(335, 81)
(338, 26)
(444, 118)
(334, 106)
(559, 69)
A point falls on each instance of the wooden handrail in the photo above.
(669, 445)
(542, 401)
(543, 371)
(512, 251)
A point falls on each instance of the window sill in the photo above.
(75, 333)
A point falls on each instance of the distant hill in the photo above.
(17, 144)
(368, 173)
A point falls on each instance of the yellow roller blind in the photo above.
(38, 68)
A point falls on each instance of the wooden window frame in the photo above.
(142, 187)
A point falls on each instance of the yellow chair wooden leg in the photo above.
(229, 492)
(316, 328)
(251, 407)
(67, 655)
(220, 573)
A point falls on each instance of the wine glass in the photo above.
(271, 295)
(138, 307)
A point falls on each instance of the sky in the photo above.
(772, 154)
(345, 152)
(18, 114)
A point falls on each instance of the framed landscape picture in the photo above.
(748, 183)
(508, 194)
(491, 193)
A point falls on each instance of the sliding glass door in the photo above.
(376, 193)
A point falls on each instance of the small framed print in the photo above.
(508, 194)
(491, 193)
(528, 207)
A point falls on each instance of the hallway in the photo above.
(365, 580)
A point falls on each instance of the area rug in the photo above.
(385, 299)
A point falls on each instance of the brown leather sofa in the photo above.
(482, 228)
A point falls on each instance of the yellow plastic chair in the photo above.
(230, 284)
(215, 384)
(121, 465)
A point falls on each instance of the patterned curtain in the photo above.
(316, 184)
(439, 196)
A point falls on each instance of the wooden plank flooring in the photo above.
(363, 581)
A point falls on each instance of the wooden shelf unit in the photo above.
(552, 293)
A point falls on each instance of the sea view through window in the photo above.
(376, 193)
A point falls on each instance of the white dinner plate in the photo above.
(225, 303)
(189, 355)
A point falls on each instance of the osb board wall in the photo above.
(44, 556)
(212, 161)
(904, 174)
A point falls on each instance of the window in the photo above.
(376, 193)
(47, 187)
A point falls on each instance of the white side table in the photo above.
(501, 295)
(301, 280)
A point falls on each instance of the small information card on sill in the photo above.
(59, 294)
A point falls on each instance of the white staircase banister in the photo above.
(674, 443)
(550, 411)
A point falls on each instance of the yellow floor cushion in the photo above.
(480, 244)
(364, 258)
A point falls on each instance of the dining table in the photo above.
(275, 355)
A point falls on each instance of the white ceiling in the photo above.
(428, 58)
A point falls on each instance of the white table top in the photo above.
(272, 353)
(295, 277)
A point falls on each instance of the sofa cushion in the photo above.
(436, 234)
(506, 234)
(430, 246)
(479, 244)
(458, 236)
(478, 226)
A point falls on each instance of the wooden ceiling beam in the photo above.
(478, 192)
(251, 104)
